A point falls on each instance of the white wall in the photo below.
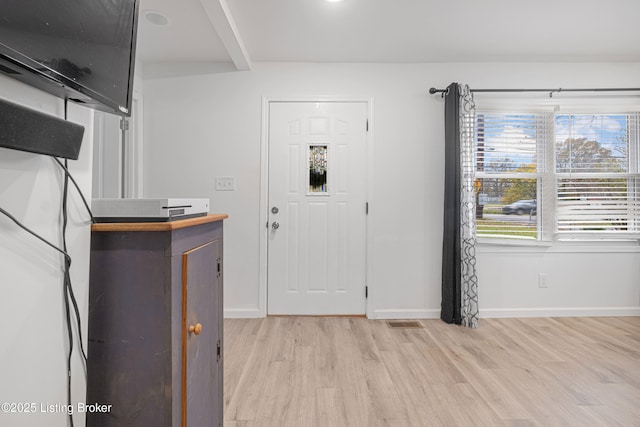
(201, 126)
(582, 281)
(33, 334)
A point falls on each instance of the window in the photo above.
(596, 165)
(510, 166)
(572, 176)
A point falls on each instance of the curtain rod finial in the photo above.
(444, 92)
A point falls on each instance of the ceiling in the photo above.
(390, 31)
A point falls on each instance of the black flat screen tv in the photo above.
(81, 50)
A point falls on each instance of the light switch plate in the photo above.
(225, 183)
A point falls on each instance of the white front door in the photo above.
(317, 208)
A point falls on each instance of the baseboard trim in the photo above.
(560, 312)
(242, 313)
(406, 314)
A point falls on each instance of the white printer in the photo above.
(148, 210)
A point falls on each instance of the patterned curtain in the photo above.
(469, 282)
(459, 280)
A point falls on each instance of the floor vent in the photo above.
(404, 324)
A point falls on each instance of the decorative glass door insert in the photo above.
(318, 169)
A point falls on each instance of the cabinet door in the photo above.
(201, 376)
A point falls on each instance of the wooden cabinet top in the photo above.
(157, 226)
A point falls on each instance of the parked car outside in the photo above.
(520, 207)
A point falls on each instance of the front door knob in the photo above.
(275, 225)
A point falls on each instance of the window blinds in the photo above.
(580, 171)
(510, 161)
(597, 180)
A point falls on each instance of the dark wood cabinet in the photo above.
(155, 351)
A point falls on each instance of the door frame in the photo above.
(128, 174)
(264, 191)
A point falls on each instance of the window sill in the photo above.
(600, 246)
(509, 244)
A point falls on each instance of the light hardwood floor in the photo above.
(321, 372)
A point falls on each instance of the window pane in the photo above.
(596, 205)
(597, 183)
(510, 160)
(508, 142)
(507, 207)
(591, 143)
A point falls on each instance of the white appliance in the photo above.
(148, 210)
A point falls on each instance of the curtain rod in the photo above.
(433, 90)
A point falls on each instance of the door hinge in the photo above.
(124, 124)
(367, 125)
(366, 208)
(366, 292)
(218, 351)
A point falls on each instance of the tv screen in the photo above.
(82, 50)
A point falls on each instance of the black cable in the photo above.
(33, 233)
(68, 174)
(68, 292)
(67, 285)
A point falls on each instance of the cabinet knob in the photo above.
(196, 329)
